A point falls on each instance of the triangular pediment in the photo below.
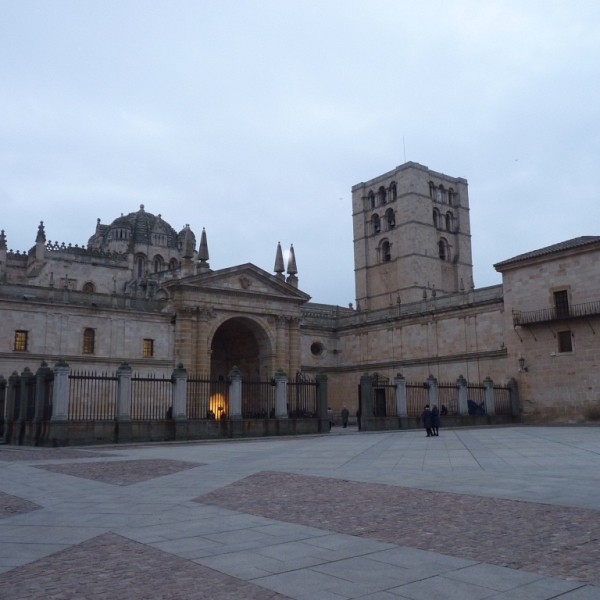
(246, 279)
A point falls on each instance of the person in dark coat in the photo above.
(426, 417)
(345, 415)
(435, 420)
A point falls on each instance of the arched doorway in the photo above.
(243, 343)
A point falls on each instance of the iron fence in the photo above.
(30, 405)
(416, 398)
(448, 398)
(207, 398)
(502, 403)
(91, 396)
(258, 400)
(151, 398)
(476, 399)
(302, 397)
(384, 400)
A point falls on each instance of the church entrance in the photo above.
(243, 343)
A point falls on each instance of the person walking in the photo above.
(345, 415)
(358, 416)
(330, 417)
(426, 417)
(435, 420)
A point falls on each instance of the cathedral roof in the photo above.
(142, 225)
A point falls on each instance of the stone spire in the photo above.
(203, 266)
(41, 234)
(279, 266)
(2, 240)
(189, 245)
(292, 269)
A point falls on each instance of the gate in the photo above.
(302, 397)
(384, 397)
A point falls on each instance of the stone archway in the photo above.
(243, 343)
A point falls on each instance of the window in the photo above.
(316, 349)
(565, 344)
(88, 287)
(376, 224)
(393, 192)
(382, 195)
(561, 303)
(89, 339)
(431, 189)
(386, 253)
(371, 198)
(148, 349)
(21, 338)
(451, 196)
(140, 267)
(390, 218)
(436, 218)
(449, 220)
(157, 264)
(442, 250)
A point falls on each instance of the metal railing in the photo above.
(448, 398)
(92, 396)
(258, 400)
(151, 398)
(502, 403)
(207, 398)
(302, 397)
(416, 398)
(544, 315)
(476, 399)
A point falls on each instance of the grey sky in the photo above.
(254, 119)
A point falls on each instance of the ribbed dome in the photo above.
(145, 228)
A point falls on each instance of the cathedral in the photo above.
(143, 293)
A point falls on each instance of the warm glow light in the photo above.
(215, 402)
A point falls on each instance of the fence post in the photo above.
(400, 391)
(41, 383)
(463, 404)
(124, 427)
(513, 387)
(3, 384)
(13, 382)
(281, 411)
(235, 393)
(490, 407)
(60, 403)
(432, 391)
(321, 380)
(366, 400)
(179, 378)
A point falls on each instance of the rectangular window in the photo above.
(561, 303)
(21, 340)
(148, 349)
(89, 340)
(565, 343)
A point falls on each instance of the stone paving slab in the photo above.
(551, 540)
(122, 472)
(12, 505)
(11, 454)
(112, 567)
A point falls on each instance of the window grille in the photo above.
(148, 349)
(561, 303)
(21, 339)
(89, 338)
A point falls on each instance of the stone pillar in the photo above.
(27, 382)
(515, 408)
(202, 350)
(179, 378)
(3, 384)
(124, 392)
(463, 405)
(490, 407)
(235, 393)
(183, 336)
(41, 384)
(401, 408)
(11, 392)
(281, 409)
(432, 391)
(60, 398)
(281, 348)
(321, 380)
(295, 359)
(366, 400)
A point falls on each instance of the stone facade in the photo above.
(145, 294)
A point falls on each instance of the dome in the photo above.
(144, 228)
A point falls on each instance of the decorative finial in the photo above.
(41, 234)
(203, 250)
(292, 269)
(2, 240)
(424, 294)
(279, 266)
(141, 207)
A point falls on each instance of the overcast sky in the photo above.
(254, 119)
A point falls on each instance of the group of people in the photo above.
(431, 420)
(345, 416)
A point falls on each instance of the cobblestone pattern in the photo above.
(122, 472)
(552, 540)
(112, 567)
(13, 505)
(14, 454)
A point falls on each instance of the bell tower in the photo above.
(412, 236)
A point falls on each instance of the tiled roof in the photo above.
(584, 240)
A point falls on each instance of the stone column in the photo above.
(432, 391)
(515, 408)
(490, 407)
(179, 378)
(60, 398)
(11, 392)
(321, 380)
(295, 359)
(281, 411)
(281, 349)
(400, 383)
(41, 384)
(3, 384)
(124, 392)
(463, 405)
(27, 380)
(235, 393)
(366, 400)
(202, 350)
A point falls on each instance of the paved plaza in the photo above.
(503, 513)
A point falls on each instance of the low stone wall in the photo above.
(395, 423)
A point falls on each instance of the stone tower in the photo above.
(412, 236)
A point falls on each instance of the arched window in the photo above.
(449, 222)
(382, 195)
(431, 189)
(451, 195)
(371, 198)
(436, 218)
(386, 251)
(376, 224)
(441, 194)
(443, 250)
(393, 191)
(390, 218)
(139, 267)
(88, 287)
(89, 339)
(157, 264)
(173, 264)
